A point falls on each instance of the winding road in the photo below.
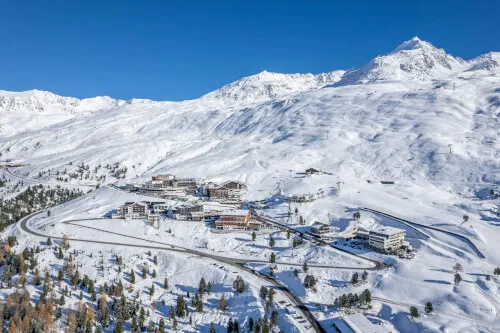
(314, 325)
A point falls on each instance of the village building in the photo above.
(188, 212)
(237, 220)
(154, 219)
(320, 230)
(134, 210)
(358, 323)
(386, 239)
(166, 177)
(230, 192)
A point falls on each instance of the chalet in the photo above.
(320, 230)
(358, 323)
(134, 210)
(312, 171)
(237, 220)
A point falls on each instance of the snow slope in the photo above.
(417, 116)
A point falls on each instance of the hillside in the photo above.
(423, 120)
(415, 102)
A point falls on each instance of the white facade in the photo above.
(386, 239)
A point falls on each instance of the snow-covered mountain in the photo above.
(412, 60)
(393, 118)
(266, 85)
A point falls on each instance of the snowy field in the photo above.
(418, 117)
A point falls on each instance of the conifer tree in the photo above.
(180, 309)
(428, 307)
(202, 287)
(222, 303)
(414, 312)
(355, 278)
(132, 277)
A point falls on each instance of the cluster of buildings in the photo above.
(149, 211)
(173, 187)
(222, 220)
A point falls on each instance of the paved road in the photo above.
(236, 262)
(377, 265)
(451, 233)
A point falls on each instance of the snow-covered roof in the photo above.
(238, 212)
(388, 231)
(360, 324)
(319, 225)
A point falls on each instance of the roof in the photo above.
(319, 225)
(312, 170)
(239, 212)
(387, 231)
(360, 324)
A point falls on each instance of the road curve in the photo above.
(451, 233)
(314, 324)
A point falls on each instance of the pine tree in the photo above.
(222, 303)
(271, 242)
(212, 328)
(199, 306)
(144, 272)
(263, 292)
(230, 325)
(355, 278)
(457, 279)
(202, 287)
(250, 324)
(239, 284)
(180, 309)
(296, 272)
(161, 326)
(132, 277)
(272, 259)
(428, 307)
(364, 276)
(155, 260)
(305, 268)
(414, 312)
(154, 274)
(60, 254)
(49, 242)
(165, 284)
(254, 236)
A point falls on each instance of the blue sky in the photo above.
(175, 50)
